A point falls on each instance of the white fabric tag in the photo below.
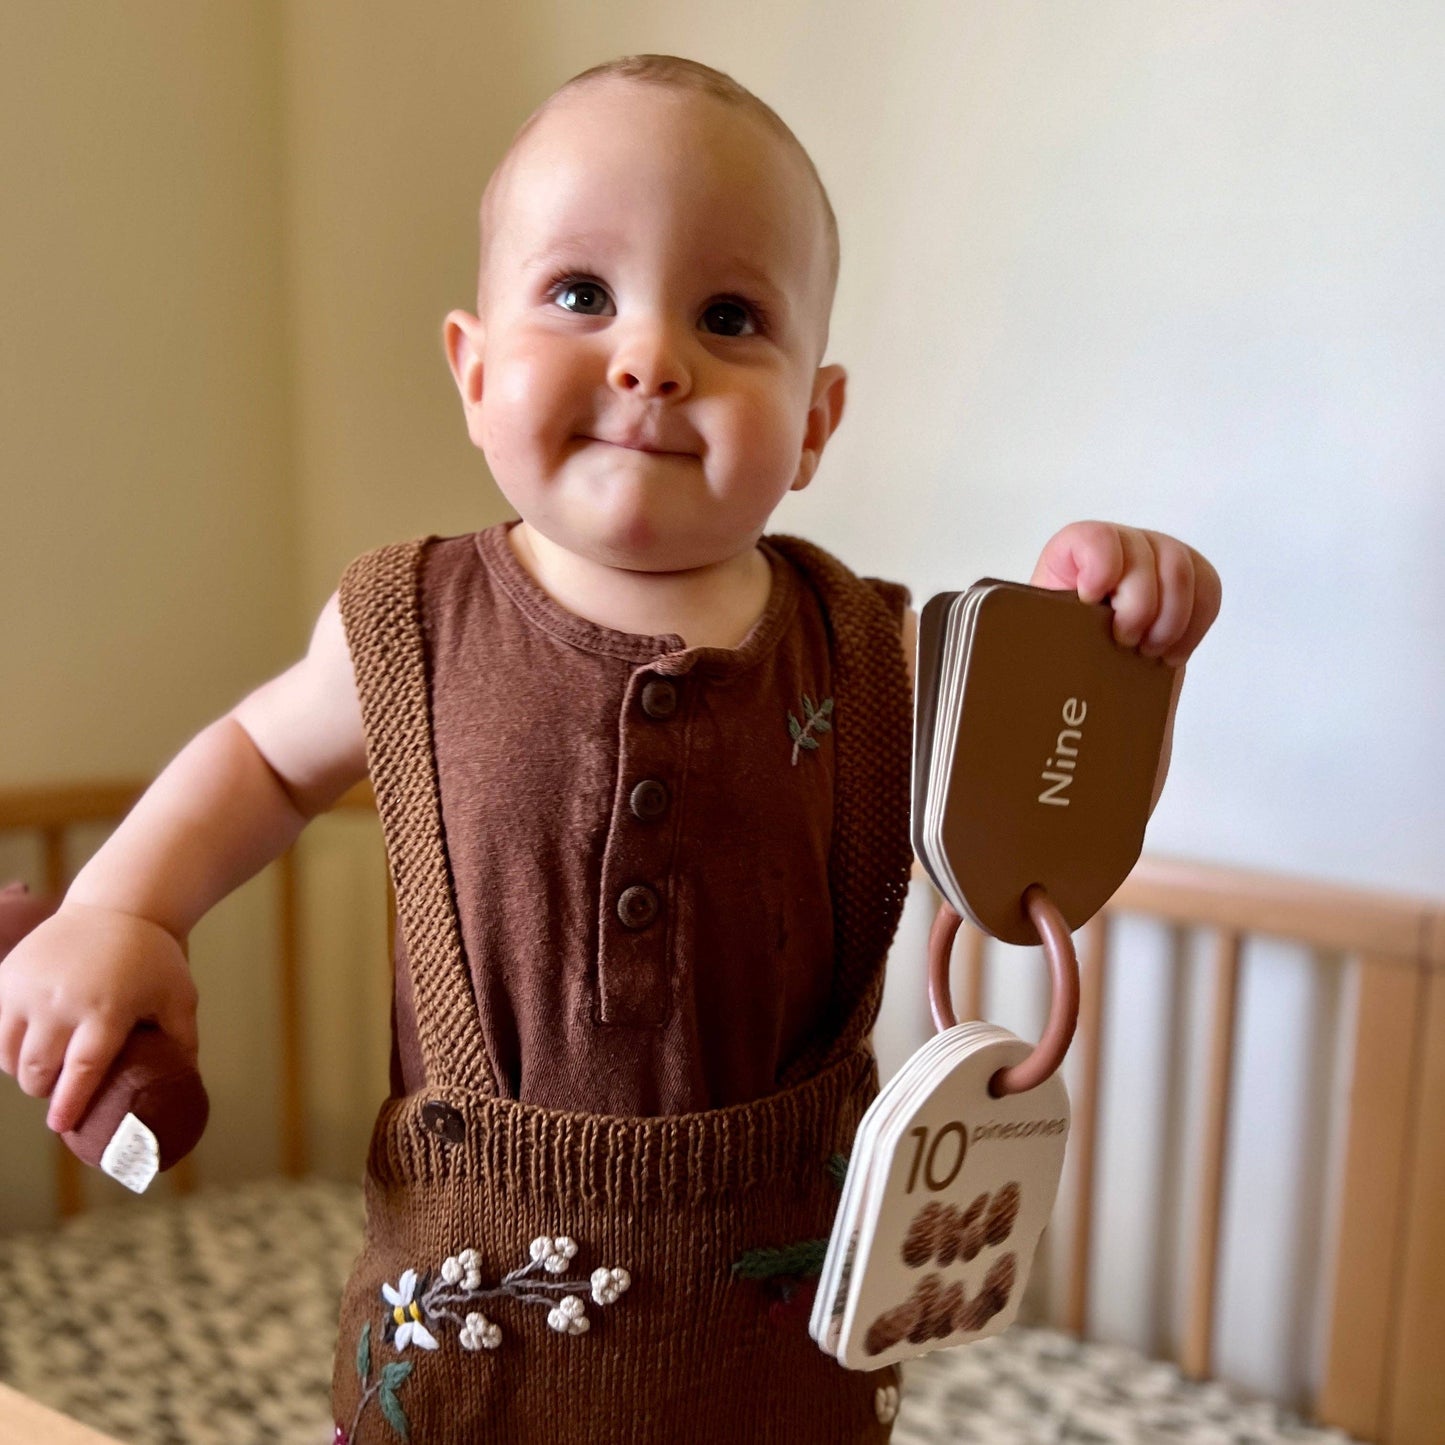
(133, 1156)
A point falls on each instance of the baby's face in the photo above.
(643, 371)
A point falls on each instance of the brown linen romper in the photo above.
(645, 894)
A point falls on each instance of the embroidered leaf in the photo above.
(363, 1352)
(804, 1260)
(808, 705)
(395, 1415)
(393, 1374)
(809, 743)
(827, 706)
(795, 728)
(821, 724)
(838, 1169)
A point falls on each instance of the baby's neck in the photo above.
(714, 606)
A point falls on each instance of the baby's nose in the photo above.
(649, 362)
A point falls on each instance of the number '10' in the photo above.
(927, 1155)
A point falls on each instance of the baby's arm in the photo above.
(234, 798)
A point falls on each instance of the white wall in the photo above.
(1180, 266)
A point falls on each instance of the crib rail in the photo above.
(1383, 1378)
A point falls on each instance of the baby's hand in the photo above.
(1165, 596)
(71, 991)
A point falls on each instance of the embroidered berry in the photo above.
(885, 1404)
(464, 1269)
(553, 1253)
(570, 1317)
(793, 1306)
(339, 1438)
(608, 1284)
(479, 1333)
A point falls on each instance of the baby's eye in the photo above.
(730, 318)
(581, 297)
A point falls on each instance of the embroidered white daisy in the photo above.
(407, 1313)
(608, 1284)
(570, 1317)
(479, 1333)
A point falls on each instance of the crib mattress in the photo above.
(210, 1321)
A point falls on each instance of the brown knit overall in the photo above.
(606, 1087)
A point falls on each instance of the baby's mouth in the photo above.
(637, 445)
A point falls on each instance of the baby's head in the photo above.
(657, 274)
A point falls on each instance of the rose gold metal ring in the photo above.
(1058, 948)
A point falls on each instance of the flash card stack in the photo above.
(1036, 743)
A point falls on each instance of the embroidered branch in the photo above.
(817, 722)
(420, 1304)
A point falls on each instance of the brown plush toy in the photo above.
(151, 1108)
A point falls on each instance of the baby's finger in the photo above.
(1174, 565)
(1084, 557)
(12, 1036)
(1208, 594)
(41, 1056)
(93, 1048)
(1136, 599)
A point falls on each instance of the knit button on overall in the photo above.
(644, 893)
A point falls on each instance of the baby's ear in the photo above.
(462, 339)
(825, 411)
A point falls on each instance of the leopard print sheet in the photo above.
(210, 1321)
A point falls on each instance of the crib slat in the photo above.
(69, 1184)
(183, 1175)
(52, 842)
(1092, 980)
(1372, 1197)
(293, 1115)
(1196, 1358)
(971, 998)
(1416, 1403)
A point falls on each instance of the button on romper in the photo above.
(644, 892)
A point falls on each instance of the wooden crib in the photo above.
(1381, 1375)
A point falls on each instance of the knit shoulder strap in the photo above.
(381, 612)
(871, 852)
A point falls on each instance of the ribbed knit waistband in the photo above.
(447, 1134)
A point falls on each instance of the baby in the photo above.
(643, 775)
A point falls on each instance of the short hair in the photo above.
(676, 73)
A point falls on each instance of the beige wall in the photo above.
(148, 539)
